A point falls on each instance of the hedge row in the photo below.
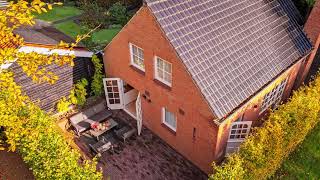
(264, 151)
(34, 134)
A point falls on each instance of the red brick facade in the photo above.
(312, 28)
(208, 142)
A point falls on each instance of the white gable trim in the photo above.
(62, 52)
(5, 66)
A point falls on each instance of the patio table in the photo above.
(96, 134)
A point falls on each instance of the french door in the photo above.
(238, 133)
(139, 113)
(114, 92)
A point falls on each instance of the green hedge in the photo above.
(264, 151)
(34, 134)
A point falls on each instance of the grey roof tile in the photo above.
(232, 48)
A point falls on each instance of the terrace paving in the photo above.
(143, 157)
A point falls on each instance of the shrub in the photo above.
(97, 83)
(118, 14)
(93, 15)
(264, 151)
(63, 105)
(79, 92)
(36, 137)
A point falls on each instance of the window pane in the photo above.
(167, 78)
(160, 63)
(164, 71)
(160, 74)
(274, 96)
(135, 60)
(170, 119)
(134, 50)
(167, 67)
(137, 56)
(141, 54)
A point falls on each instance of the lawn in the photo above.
(70, 28)
(104, 36)
(58, 13)
(304, 163)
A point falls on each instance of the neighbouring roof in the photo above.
(3, 4)
(49, 94)
(231, 48)
(5, 43)
(42, 33)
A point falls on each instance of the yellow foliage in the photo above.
(27, 127)
(264, 151)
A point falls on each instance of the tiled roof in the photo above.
(3, 4)
(42, 33)
(7, 44)
(232, 48)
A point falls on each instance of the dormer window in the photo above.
(136, 56)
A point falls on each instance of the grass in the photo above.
(304, 163)
(70, 28)
(58, 13)
(105, 35)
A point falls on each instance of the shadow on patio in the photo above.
(140, 157)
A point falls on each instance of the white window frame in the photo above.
(132, 55)
(156, 74)
(163, 114)
(274, 96)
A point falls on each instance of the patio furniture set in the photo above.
(97, 121)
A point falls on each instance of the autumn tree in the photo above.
(27, 128)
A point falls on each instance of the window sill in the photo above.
(137, 70)
(169, 129)
(162, 84)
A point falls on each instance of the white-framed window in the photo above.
(273, 98)
(136, 56)
(163, 71)
(169, 119)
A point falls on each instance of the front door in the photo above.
(114, 92)
(139, 113)
(238, 133)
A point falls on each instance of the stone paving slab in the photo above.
(145, 157)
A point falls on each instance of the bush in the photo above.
(97, 83)
(118, 14)
(79, 92)
(36, 137)
(93, 15)
(63, 105)
(264, 151)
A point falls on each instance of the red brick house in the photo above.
(199, 74)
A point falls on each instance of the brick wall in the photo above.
(312, 28)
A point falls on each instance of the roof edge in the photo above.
(244, 103)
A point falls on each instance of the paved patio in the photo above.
(143, 157)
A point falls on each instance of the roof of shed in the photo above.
(232, 48)
(42, 33)
(3, 4)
